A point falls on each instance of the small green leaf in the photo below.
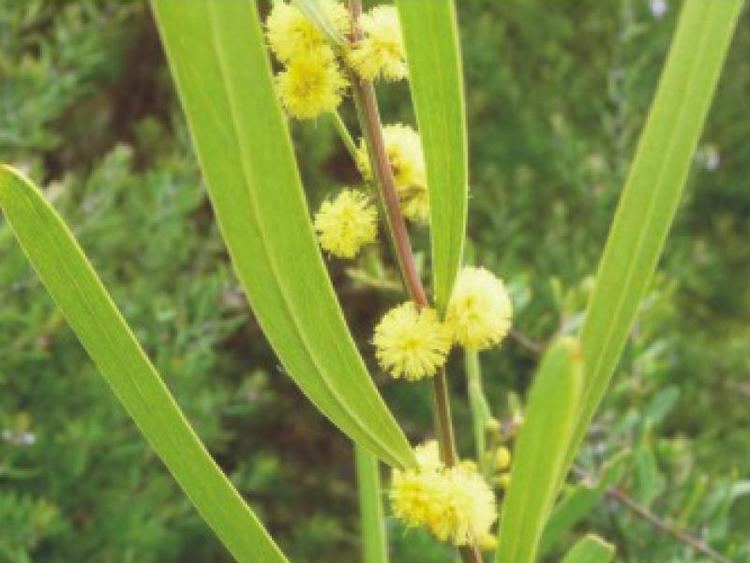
(480, 409)
(217, 57)
(93, 316)
(436, 80)
(590, 549)
(540, 452)
(371, 517)
(652, 191)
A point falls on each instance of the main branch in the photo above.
(365, 100)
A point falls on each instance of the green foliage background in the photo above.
(556, 96)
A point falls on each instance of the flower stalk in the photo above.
(344, 134)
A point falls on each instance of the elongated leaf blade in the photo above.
(91, 313)
(652, 191)
(590, 549)
(436, 80)
(218, 60)
(539, 454)
(371, 516)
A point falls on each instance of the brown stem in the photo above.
(697, 544)
(443, 426)
(367, 108)
(660, 524)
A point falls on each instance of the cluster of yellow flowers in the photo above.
(410, 342)
(455, 504)
(480, 309)
(380, 53)
(312, 81)
(347, 223)
(404, 151)
(413, 343)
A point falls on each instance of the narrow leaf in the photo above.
(371, 516)
(436, 80)
(652, 191)
(540, 452)
(480, 409)
(218, 60)
(91, 313)
(590, 549)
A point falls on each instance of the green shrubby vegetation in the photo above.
(556, 96)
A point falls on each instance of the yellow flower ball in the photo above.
(422, 499)
(381, 52)
(480, 311)
(291, 35)
(428, 455)
(455, 505)
(415, 203)
(411, 343)
(347, 223)
(404, 150)
(311, 85)
(502, 458)
(474, 507)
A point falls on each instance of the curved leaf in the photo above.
(91, 313)
(539, 454)
(217, 56)
(436, 80)
(652, 191)
(590, 549)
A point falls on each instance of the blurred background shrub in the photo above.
(556, 95)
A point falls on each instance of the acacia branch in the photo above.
(365, 100)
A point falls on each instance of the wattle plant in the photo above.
(326, 54)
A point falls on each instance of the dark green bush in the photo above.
(556, 93)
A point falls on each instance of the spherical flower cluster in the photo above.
(347, 223)
(455, 504)
(411, 343)
(310, 86)
(312, 82)
(380, 53)
(404, 150)
(479, 312)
